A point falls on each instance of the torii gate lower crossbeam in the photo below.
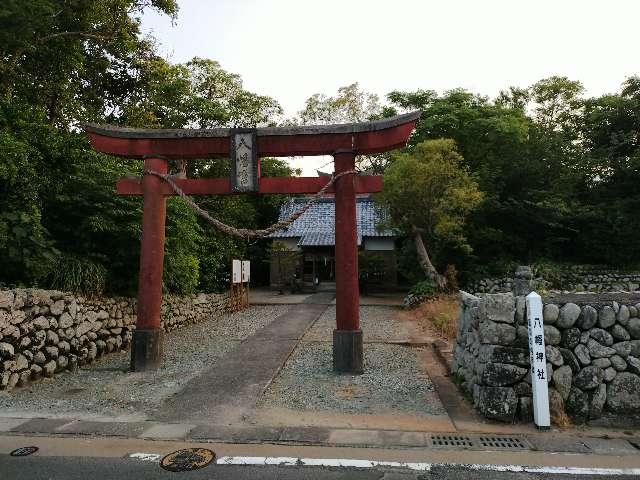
(245, 146)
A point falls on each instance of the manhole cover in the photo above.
(187, 459)
(512, 443)
(23, 451)
(451, 441)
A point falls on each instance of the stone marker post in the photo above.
(539, 384)
(523, 281)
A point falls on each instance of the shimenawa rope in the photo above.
(246, 232)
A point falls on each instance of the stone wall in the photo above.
(501, 285)
(574, 279)
(45, 332)
(592, 353)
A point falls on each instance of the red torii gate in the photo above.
(245, 147)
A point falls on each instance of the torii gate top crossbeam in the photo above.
(360, 138)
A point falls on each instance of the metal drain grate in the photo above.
(480, 442)
(451, 441)
(510, 443)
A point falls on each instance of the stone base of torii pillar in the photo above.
(347, 351)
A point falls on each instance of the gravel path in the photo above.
(103, 389)
(392, 382)
(378, 324)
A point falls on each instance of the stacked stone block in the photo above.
(573, 280)
(46, 332)
(592, 352)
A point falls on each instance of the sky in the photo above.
(291, 49)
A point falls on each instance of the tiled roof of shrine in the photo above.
(316, 226)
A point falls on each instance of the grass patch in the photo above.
(441, 315)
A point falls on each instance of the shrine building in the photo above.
(304, 254)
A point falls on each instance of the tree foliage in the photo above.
(428, 194)
(61, 223)
(350, 104)
(559, 172)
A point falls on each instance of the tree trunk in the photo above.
(425, 262)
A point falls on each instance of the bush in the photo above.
(424, 289)
(551, 272)
(27, 254)
(181, 264)
(181, 274)
(77, 274)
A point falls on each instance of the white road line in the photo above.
(320, 462)
(146, 457)
(554, 470)
(421, 466)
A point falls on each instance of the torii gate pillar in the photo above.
(146, 348)
(347, 337)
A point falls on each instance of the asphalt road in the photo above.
(83, 468)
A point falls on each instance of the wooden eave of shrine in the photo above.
(361, 138)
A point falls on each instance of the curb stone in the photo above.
(316, 436)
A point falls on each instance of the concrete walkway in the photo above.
(226, 393)
(266, 296)
(461, 447)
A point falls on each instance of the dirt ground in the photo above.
(434, 319)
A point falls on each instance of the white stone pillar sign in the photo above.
(538, 359)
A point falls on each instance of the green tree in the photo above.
(609, 219)
(196, 94)
(557, 101)
(350, 104)
(63, 62)
(429, 194)
(71, 60)
(528, 194)
(61, 223)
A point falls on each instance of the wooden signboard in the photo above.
(239, 295)
(246, 271)
(236, 271)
